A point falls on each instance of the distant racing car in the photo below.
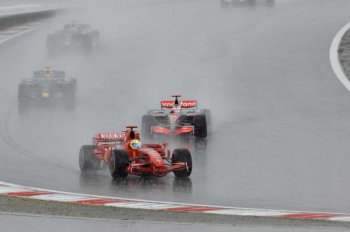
(123, 153)
(47, 88)
(74, 36)
(176, 118)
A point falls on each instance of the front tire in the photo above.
(118, 164)
(182, 155)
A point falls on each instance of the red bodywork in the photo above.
(151, 159)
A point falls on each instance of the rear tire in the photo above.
(87, 160)
(182, 155)
(118, 164)
(200, 126)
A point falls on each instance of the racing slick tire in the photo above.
(146, 126)
(87, 161)
(118, 164)
(200, 126)
(182, 155)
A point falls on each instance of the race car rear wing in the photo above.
(184, 104)
(108, 137)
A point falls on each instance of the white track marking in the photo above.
(10, 189)
(334, 57)
(340, 219)
(60, 197)
(244, 212)
(142, 205)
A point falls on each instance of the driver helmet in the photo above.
(135, 144)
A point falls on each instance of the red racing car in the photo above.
(124, 154)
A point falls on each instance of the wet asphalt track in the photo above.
(280, 134)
